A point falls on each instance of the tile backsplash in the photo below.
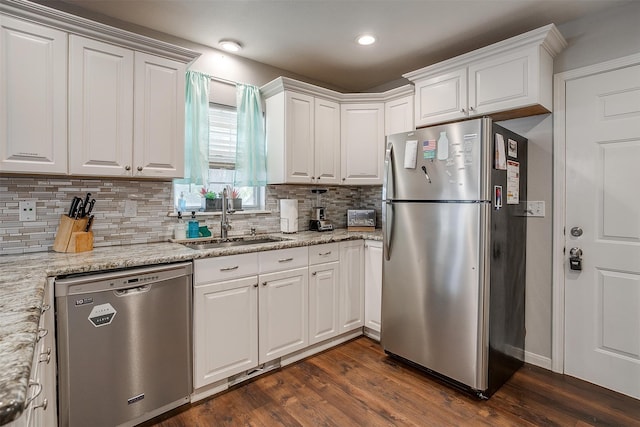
(153, 202)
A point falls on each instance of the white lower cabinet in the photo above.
(225, 329)
(283, 313)
(373, 287)
(351, 285)
(225, 317)
(324, 292)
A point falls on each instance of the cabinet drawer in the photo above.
(324, 253)
(283, 259)
(217, 269)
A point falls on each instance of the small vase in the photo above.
(213, 205)
(236, 204)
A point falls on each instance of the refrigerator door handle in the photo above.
(387, 183)
(387, 194)
(387, 219)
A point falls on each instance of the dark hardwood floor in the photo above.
(356, 384)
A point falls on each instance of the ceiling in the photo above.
(316, 38)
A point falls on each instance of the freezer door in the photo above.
(448, 162)
(433, 290)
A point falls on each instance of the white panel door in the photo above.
(373, 285)
(299, 130)
(324, 301)
(602, 302)
(100, 107)
(283, 313)
(158, 133)
(398, 115)
(225, 329)
(326, 142)
(33, 98)
(351, 285)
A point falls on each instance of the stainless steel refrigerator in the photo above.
(454, 228)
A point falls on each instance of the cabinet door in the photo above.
(362, 140)
(324, 300)
(283, 312)
(398, 115)
(158, 133)
(225, 329)
(299, 121)
(327, 142)
(100, 107)
(441, 98)
(372, 284)
(351, 285)
(33, 98)
(504, 82)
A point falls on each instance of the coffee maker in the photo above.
(319, 221)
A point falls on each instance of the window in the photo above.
(222, 157)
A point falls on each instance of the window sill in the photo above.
(187, 214)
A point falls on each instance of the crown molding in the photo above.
(73, 24)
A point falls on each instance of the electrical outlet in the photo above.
(130, 208)
(27, 210)
(535, 209)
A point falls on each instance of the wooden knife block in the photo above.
(71, 236)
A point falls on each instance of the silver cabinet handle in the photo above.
(45, 307)
(47, 356)
(127, 168)
(463, 111)
(43, 405)
(264, 283)
(235, 267)
(139, 168)
(285, 260)
(33, 383)
(255, 286)
(314, 273)
(325, 253)
(42, 333)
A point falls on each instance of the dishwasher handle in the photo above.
(132, 291)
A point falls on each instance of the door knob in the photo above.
(576, 231)
(575, 259)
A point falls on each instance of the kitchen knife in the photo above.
(90, 208)
(89, 222)
(74, 205)
(79, 209)
(85, 205)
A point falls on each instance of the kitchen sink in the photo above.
(232, 242)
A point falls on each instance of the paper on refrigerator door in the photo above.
(410, 154)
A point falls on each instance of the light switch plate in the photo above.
(535, 209)
(27, 210)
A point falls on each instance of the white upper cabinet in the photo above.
(362, 135)
(398, 115)
(303, 138)
(124, 94)
(127, 112)
(33, 98)
(319, 136)
(158, 133)
(509, 79)
(101, 108)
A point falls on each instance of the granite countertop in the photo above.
(23, 279)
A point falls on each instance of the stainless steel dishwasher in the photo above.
(124, 343)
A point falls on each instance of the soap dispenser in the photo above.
(194, 226)
(180, 230)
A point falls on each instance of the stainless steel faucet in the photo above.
(225, 225)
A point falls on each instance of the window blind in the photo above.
(222, 136)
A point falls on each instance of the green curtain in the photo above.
(251, 159)
(196, 151)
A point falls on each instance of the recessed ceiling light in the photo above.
(366, 39)
(230, 45)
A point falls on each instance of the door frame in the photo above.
(559, 196)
